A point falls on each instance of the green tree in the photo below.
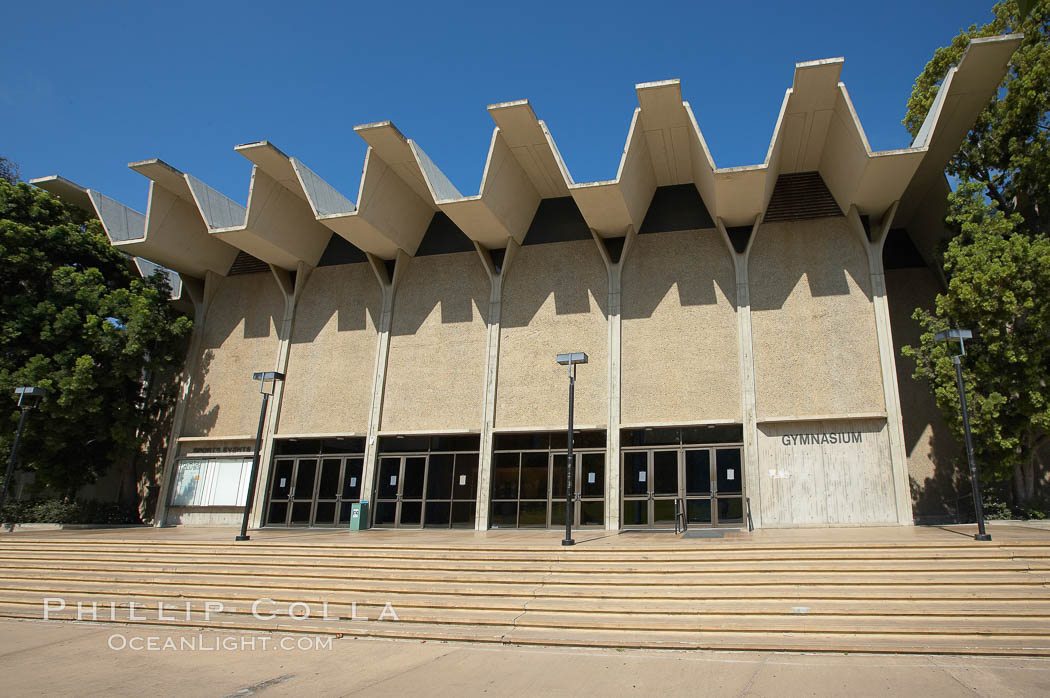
(77, 320)
(8, 171)
(997, 266)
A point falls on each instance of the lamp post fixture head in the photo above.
(29, 396)
(267, 381)
(954, 335)
(574, 358)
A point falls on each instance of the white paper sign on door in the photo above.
(283, 480)
(730, 474)
(590, 478)
(641, 476)
(462, 479)
(353, 482)
(393, 480)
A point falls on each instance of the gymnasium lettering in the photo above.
(842, 437)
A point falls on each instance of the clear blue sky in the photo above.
(86, 87)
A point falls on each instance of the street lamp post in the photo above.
(267, 384)
(28, 398)
(961, 336)
(570, 360)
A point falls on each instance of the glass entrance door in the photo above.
(588, 490)
(528, 489)
(293, 492)
(650, 485)
(438, 490)
(313, 492)
(399, 491)
(708, 479)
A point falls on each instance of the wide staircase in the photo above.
(960, 598)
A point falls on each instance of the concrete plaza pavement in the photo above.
(1003, 532)
(56, 658)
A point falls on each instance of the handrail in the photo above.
(681, 525)
(750, 522)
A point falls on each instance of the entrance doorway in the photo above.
(707, 479)
(314, 491)
(528, 489)
(431, 490)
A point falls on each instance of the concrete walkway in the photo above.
(56, 658)
(1002, 532)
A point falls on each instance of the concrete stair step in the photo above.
(954, 598)
(575, 566)
(1023, 590)
(504, 623)
(243, 551)
(984, 577)
(483, 547)
(103, 592)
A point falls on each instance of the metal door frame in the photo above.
(403, 459)
(550, 499)
(577, 496)
(650, 496)
(339, 500)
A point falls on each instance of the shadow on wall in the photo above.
(662, 261)
(936, 499)
(147, 466)
(253, 299)
(457, 283)
(201, 415)
(940, 498)
(821, 250)
(935, 456)
(349, 291)
(573, 272)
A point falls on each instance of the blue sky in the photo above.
(86, 88)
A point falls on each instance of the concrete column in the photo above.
(612, 431)
(488, 418)
(388, 286)
(292, 290)
(887, 360)
(201, 294)
(745, 352)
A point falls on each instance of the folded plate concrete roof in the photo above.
(291, 210)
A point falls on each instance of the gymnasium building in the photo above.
(742, 324)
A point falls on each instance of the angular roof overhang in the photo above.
(291, 212)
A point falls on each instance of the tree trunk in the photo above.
(1025, 471)
(128, 493)
(1018, 484)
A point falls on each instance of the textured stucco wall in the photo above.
(328, 389)
(816, 351)
(240, 338)
(679, 337)
(929, 444)
(436, 369)
(554, 301)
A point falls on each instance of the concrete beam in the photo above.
(526, 137)
(963, 95)
(504, 205)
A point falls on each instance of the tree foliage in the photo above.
(997, 266)
(76, 320)
(9, 171)
(998, 281)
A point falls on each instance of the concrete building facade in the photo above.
(742, 324)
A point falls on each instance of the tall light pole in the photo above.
(570, 360)
(28, 398)
(975, 480)
(267, 384)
